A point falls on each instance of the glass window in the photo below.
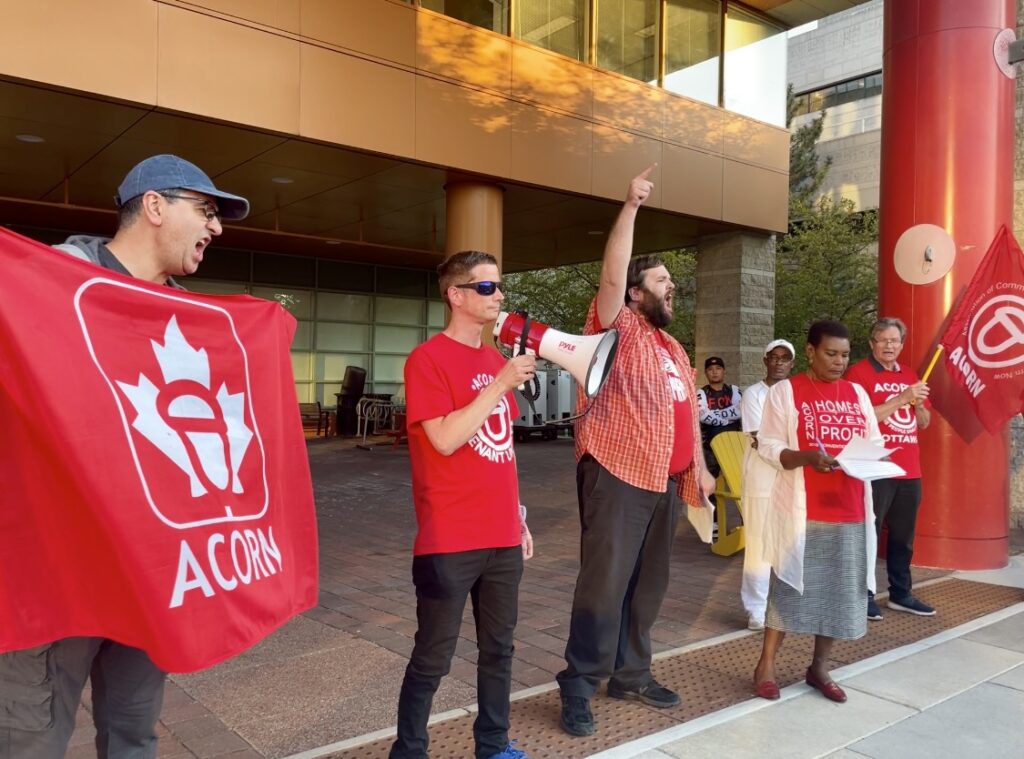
(401, 281)
(396, 339)
(557, 25)
(331, 366)
(399, 311)
(341, 275)
(332, 336)
(302, 365)
(436, 313)
(388, 369)
(327, 393)
(873, 85)
(298, 271)
(303, 339)
(850, 92)
(627, 37)
(225, 263)
(692, 41)
(208, 287)
(299, 303)
(755, 67)
(351, 308)
(490, 14)
(816, 101)
(433, 286)
(304, 392)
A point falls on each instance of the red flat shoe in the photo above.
(768, 689)
(831, 691)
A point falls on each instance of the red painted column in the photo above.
(947, 159)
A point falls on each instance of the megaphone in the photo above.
(588, 358)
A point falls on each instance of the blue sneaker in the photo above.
(511, 752)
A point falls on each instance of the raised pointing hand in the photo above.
(640, 187)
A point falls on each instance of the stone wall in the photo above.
(735, 303)
(1017, 426)
(841, 46)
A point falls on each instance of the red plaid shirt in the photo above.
(629, 430)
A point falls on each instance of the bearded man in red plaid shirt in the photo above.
(638, 454)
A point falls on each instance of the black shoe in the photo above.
(651, 694)
(912, 605)
(874, 613)
(577, 719)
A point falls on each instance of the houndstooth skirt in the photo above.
(835, 597)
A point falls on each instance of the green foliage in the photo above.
(807, 170)
(561, 296)
(826, 268)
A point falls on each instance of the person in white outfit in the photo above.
(758, 477)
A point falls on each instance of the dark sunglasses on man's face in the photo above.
(483, 288)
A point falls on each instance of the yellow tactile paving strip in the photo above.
(708, 679)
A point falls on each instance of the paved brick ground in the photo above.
(334, 673)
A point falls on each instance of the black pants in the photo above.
(490, 577)
(40, 689)
(896, 504)
(710, 461)
(625, 547)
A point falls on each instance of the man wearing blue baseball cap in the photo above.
(168, 213)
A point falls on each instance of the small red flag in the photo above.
(984, 342)
(154, 480)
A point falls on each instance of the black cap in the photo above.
(714, 361)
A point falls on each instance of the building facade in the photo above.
(374, 136)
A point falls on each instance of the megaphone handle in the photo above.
(526, 332)
(529, 352)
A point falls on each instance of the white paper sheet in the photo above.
(702, 518)
(862, 459)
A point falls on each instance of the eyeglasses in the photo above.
(482, 288)
(206, 208)
(890, 341)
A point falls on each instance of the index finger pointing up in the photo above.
(647, 172)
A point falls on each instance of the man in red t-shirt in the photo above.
(472, 538)
(900, 402)
(638, 454)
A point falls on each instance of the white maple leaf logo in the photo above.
(202, 433)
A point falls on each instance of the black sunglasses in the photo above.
(482, 288)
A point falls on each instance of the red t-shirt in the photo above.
(900, 429)
(829, 413)
(682, 446)
(469, 500)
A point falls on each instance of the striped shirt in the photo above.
(629, 429)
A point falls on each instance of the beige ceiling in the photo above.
(340, 203)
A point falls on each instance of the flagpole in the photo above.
(931, 364)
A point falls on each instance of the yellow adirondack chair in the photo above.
(729, 448)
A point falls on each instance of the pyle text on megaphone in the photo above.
(588, 358)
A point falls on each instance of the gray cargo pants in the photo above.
(40, 689)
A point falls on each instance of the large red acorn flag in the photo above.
(984, 342)
(155, 483)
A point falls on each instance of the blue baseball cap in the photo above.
(168, 172)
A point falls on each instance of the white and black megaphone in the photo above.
(588, 358)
